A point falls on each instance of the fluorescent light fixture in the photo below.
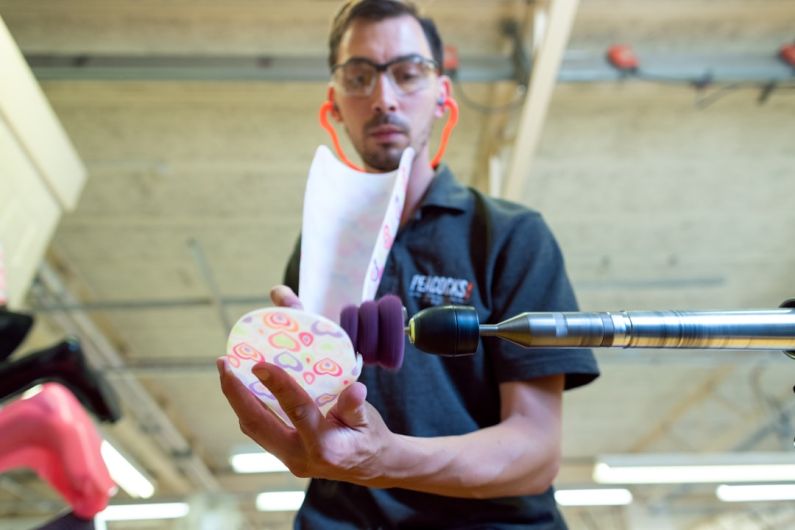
(280, 501)
(594, 497)
(259, 462)
(756, 492)
(141, 512)
(125, 474)
(695, 468)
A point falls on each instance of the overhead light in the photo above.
(140, 512)
(756, 492)
(280, 501)
(594, 497)
(694, 468)
(259, 462)
(125, 474)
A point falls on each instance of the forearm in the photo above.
(508, 459)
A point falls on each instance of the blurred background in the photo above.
(153, 156)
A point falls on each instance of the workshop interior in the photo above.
(153, 163)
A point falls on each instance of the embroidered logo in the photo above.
(438, 290)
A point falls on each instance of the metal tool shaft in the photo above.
(455, 330)
(764, 329)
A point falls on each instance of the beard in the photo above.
(385, 156)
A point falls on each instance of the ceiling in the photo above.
(662, 197)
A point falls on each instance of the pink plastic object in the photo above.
(52, 434)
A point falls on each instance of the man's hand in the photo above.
(345, 445)
(348, 444)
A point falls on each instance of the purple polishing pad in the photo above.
(349, 321)
(390, 332)
(367, 340)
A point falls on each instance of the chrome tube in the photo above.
(763, 329)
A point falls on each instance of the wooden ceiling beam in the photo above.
(543, 78)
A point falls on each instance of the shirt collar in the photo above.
(446, 192)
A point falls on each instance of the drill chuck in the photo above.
(446, 330)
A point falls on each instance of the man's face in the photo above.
(387, 121)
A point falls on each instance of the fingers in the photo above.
(283, 296)
(256, 420)
(351, 408)
(296, 403)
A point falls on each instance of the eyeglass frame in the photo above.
(381, 68)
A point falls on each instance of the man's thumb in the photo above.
(351, 407)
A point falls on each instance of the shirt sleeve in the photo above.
(529, 275)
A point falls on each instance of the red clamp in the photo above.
(787, 54)
(622, 58)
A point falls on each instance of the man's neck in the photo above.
(419, 179)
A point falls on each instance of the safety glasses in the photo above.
(357, 77)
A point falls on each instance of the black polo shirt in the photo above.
(463, 248)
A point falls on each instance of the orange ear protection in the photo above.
(327, 106)
(449, 104)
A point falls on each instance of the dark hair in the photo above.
(377, 10)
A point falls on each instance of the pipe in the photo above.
(577, 66)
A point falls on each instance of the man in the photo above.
(443, 442)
